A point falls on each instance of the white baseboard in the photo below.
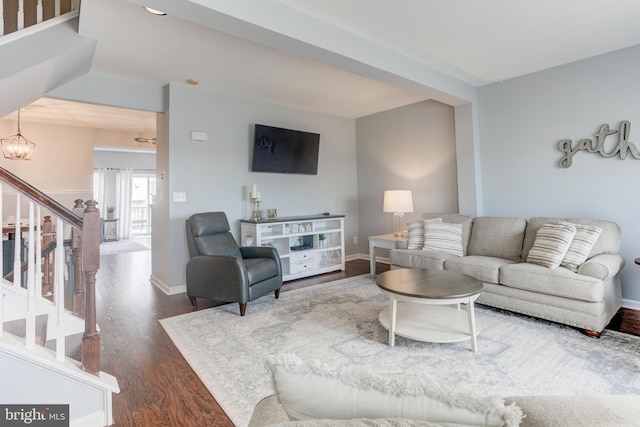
(169, 290)
(631, 303)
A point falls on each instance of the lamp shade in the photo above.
(398, 201)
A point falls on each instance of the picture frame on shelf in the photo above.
(272, 214)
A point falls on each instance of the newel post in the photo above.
(90, 266)
(76, 255)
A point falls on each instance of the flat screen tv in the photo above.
(281, 150)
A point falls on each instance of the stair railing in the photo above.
(13, 13)
(85, 229)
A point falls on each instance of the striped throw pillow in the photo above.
(580, 247)
(551, 244)
(416, 233)
(443, 236)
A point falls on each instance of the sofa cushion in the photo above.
(454, 218)
(316, 391)
(411, 258)
(607, 243)
(586, 236)
(497, 237)
(443, 236)
(484, 268)
(559, 281)
(551, 244)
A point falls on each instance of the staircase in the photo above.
(35, 366)
(41, 57)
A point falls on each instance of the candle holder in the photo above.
(256, 216)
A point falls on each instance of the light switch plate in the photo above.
(179, 197)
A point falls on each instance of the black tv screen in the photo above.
(281, 150)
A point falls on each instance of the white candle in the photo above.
(258, 196)
(254, 191)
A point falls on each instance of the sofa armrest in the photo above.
(603, 266)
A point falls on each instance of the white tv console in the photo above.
(297, 239)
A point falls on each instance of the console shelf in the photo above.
(298, 241)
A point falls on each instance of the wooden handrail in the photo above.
(38, 196)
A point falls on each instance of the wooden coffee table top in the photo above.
(433, 284)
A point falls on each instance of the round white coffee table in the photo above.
(431, 305)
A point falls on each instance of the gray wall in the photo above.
(215, 174)
(407, 148)
(521, 122)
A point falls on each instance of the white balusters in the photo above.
(33, 9)
(58, 287)
(17, 237)
(38, 253)
(39, 12)
(20, 14)
(1, 27)
(31, 285)
(1, 246)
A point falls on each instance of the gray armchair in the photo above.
(222, 271)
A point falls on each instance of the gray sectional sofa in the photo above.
(495, 251)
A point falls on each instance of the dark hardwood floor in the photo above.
(158, 388)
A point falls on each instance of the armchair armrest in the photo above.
(221, 278)
(262, 252)
(259, 252)
(603, 266)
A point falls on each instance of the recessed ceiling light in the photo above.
(155, 11)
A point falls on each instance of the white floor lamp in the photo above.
(399, 202)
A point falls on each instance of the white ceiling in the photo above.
(291, 51)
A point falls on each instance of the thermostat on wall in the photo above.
(197, 135)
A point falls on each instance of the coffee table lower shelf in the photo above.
(432, 323)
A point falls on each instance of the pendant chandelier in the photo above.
(17, 147)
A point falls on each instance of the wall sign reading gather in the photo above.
(597, 146)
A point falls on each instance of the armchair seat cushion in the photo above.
(259, 269)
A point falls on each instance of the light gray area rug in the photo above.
(337, 323)
(121, 247)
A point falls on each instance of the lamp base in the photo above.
(398, 223)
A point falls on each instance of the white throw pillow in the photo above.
(317, 391)
(581, 245)
(416, 233)
(443, 236)
(551, 244)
